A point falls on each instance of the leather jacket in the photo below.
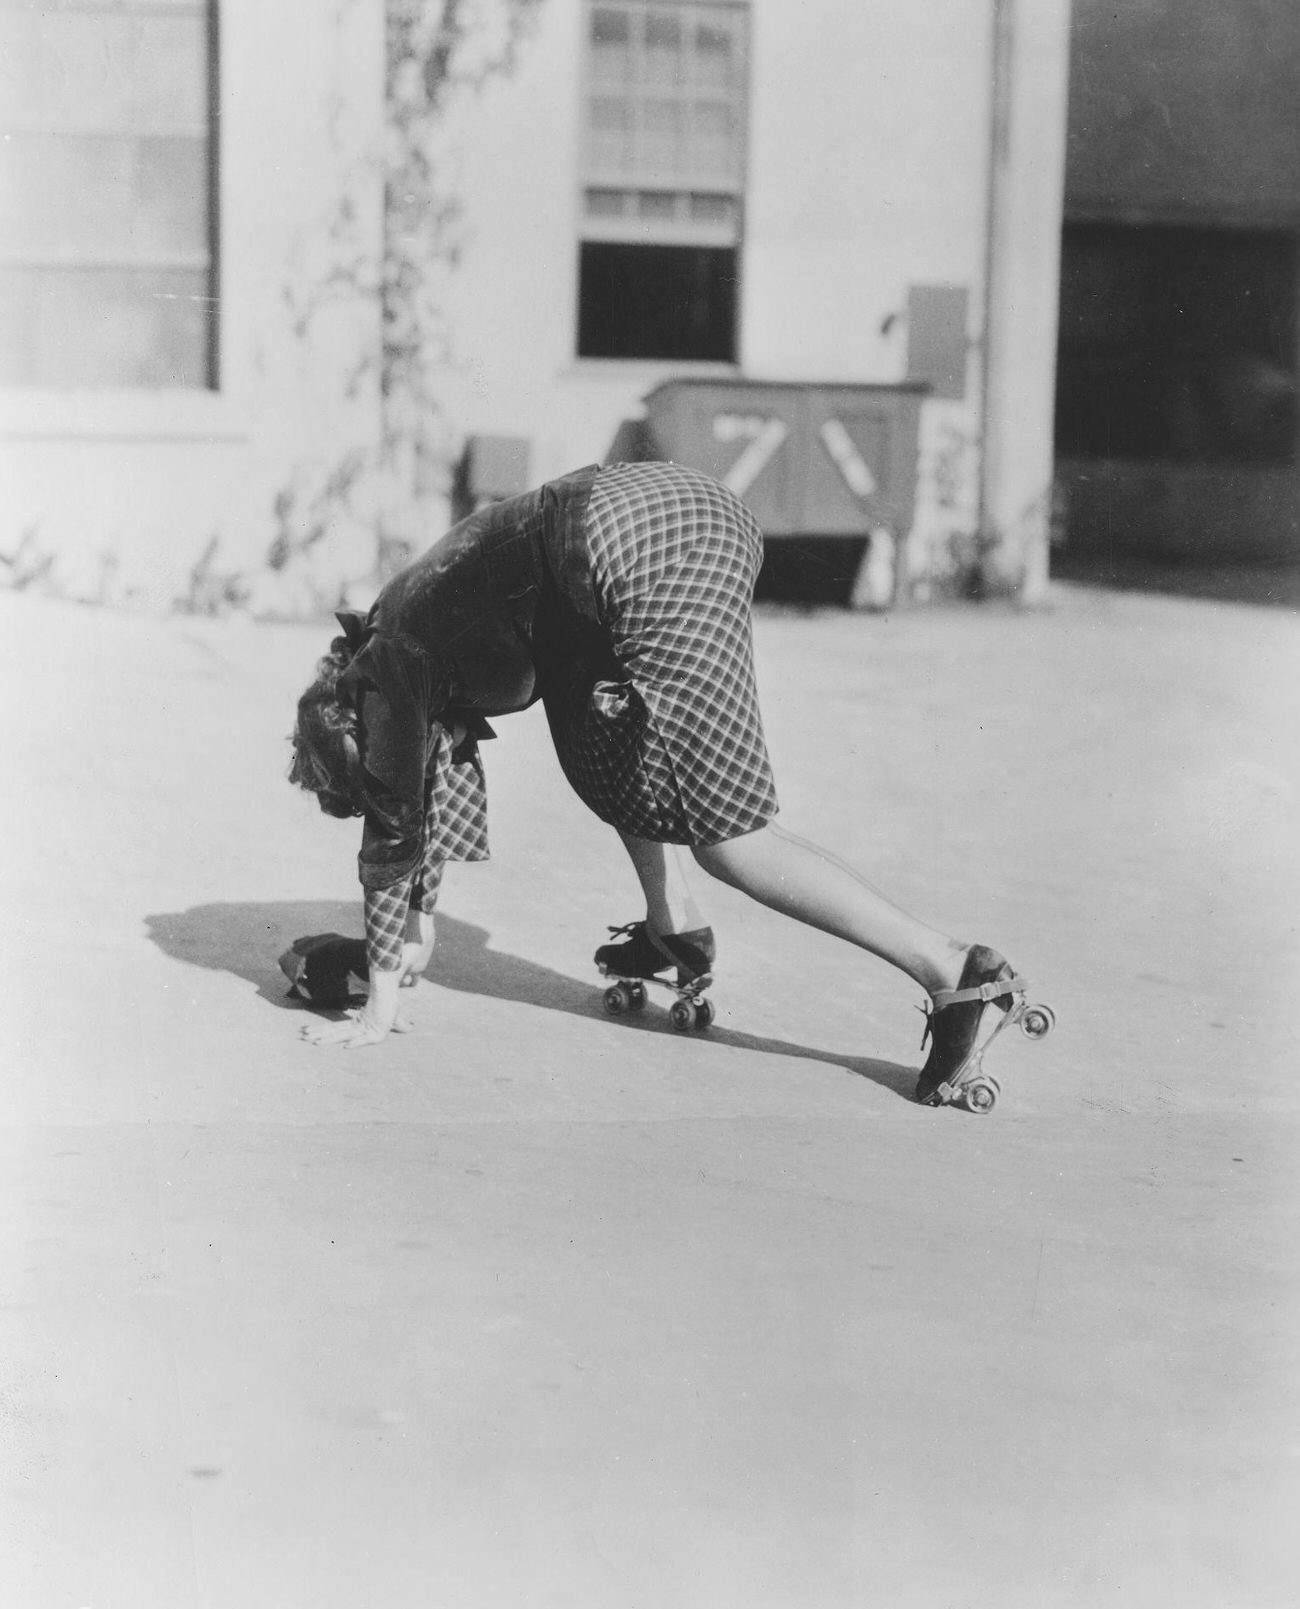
(472, 628)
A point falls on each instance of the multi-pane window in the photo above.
(107, 194)
(663, 169)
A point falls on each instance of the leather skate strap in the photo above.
(671, 955)
(985, 991)
(660, 945)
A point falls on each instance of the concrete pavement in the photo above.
(533, 1307)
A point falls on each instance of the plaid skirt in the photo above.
(656, 725)
(660, 735)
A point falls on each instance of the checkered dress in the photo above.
(658, 728)
(668, 743)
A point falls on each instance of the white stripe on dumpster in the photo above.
(764, 436)
(850, 462)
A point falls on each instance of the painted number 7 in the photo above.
(762, 438)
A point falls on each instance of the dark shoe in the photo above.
(327, 970)
(988, 981)
(644, 954)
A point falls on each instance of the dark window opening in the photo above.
(1177, 344)
(674, 302)
(810, 570)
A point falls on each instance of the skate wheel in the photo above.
(682, 1016)
(618, 999)
(636, 996)
(704, 1014)
(980, 1096)
(1037, 1022)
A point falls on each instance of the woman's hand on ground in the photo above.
(353, 1032)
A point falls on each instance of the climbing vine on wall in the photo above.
(437, 53)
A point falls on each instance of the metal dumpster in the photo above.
(831, 469)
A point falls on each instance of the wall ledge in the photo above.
(139, 417)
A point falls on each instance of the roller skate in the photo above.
(643, 955)
(963, 1022)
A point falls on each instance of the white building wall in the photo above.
(868, 150)
(868, 156)
(867, 174)
(126, 490)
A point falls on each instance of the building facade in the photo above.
(658, 192)
(1177, 427)
(168, 187)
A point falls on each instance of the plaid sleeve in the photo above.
(455, 826)
(386, 910)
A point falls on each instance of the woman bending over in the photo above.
(621, 598)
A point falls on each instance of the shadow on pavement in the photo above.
(246, 940)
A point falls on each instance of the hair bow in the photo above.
(354, 628)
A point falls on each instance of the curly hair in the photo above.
(326, 756)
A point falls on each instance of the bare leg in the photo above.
(798, 879)
(417, 945)
(670, 905)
